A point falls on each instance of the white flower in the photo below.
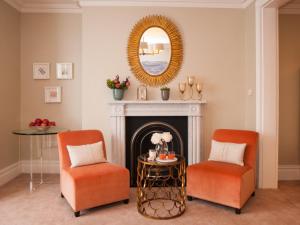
(166, 136)
(156, 138)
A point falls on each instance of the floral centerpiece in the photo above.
(161, 140)
(118, 87)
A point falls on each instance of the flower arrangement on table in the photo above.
(161, 140)
(118, 87)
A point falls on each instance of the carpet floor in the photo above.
(44, 206)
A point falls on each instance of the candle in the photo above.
(191, 80)
(199, 87)
(182, 86)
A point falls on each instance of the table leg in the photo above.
(31, 176)
(41, 158)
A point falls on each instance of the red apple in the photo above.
(45, 121)
(38, 121)
(32, 124)
(44, 124)
(52, 123)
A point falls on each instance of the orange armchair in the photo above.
(91, 185)
(225, 183)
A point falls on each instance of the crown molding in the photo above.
(14, 3)
(44, 7)
(51, 8)
(76, 7)
(174, 3)
(290, 8)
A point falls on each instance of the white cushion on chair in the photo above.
(82, 155)
(227, 152)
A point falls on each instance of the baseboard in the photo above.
(9, 173)
(289, 172)
(49, 166)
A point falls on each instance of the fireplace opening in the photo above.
(138, 138)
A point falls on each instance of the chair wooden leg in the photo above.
(237, 211)
(253, 194)
(61, 195)
(77, 214)
(126, 201)
(189, 198)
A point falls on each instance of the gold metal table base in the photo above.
(160, 188)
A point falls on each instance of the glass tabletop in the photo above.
(31, 131)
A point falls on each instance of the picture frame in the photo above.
(52, 94)
(41, 71)
(64, 71)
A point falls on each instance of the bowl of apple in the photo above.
(41, 124)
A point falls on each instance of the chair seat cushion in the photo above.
(96, 184)
(220, 182)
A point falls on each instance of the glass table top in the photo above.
(31, 131)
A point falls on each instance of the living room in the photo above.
(213, 81)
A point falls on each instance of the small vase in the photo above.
(165, 94)
(118, 94)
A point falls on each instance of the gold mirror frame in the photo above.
(176, 50)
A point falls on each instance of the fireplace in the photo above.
(123, 111)
(138, 137)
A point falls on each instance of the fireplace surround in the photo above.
(192, 109)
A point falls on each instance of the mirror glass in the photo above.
(155, 51)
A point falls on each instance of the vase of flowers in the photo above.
(161, 140)
(118, 87)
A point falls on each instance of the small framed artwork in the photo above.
(64, 71)
(52, 94)
(41, 71)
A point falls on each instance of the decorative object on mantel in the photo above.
(52, 94)
(191, 83)
(182, 88)
(142, 92)
(155, 50)
(165, 93)
(64, 71)
(41, 71)
(118, 87)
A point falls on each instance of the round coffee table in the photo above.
(161, 188)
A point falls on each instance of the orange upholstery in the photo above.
(92, 185)
(225, 183)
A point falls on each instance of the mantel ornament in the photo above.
(155, 50)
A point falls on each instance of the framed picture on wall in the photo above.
(64, 71)
(52, 94)
(41, 71)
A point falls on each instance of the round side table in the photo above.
(39, 137)
(161, 188)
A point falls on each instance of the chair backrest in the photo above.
(240, 136)
(80, 137)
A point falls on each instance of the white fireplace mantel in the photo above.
(192, 109)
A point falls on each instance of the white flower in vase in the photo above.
(156, 138)
(166, 136)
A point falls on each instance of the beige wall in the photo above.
(289, 81)
(9, 83)
(50, 38)
(214, 51)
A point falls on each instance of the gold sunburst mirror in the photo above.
(155, 50)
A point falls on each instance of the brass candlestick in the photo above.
(191, 80)
(199, 87)
(182, 88)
